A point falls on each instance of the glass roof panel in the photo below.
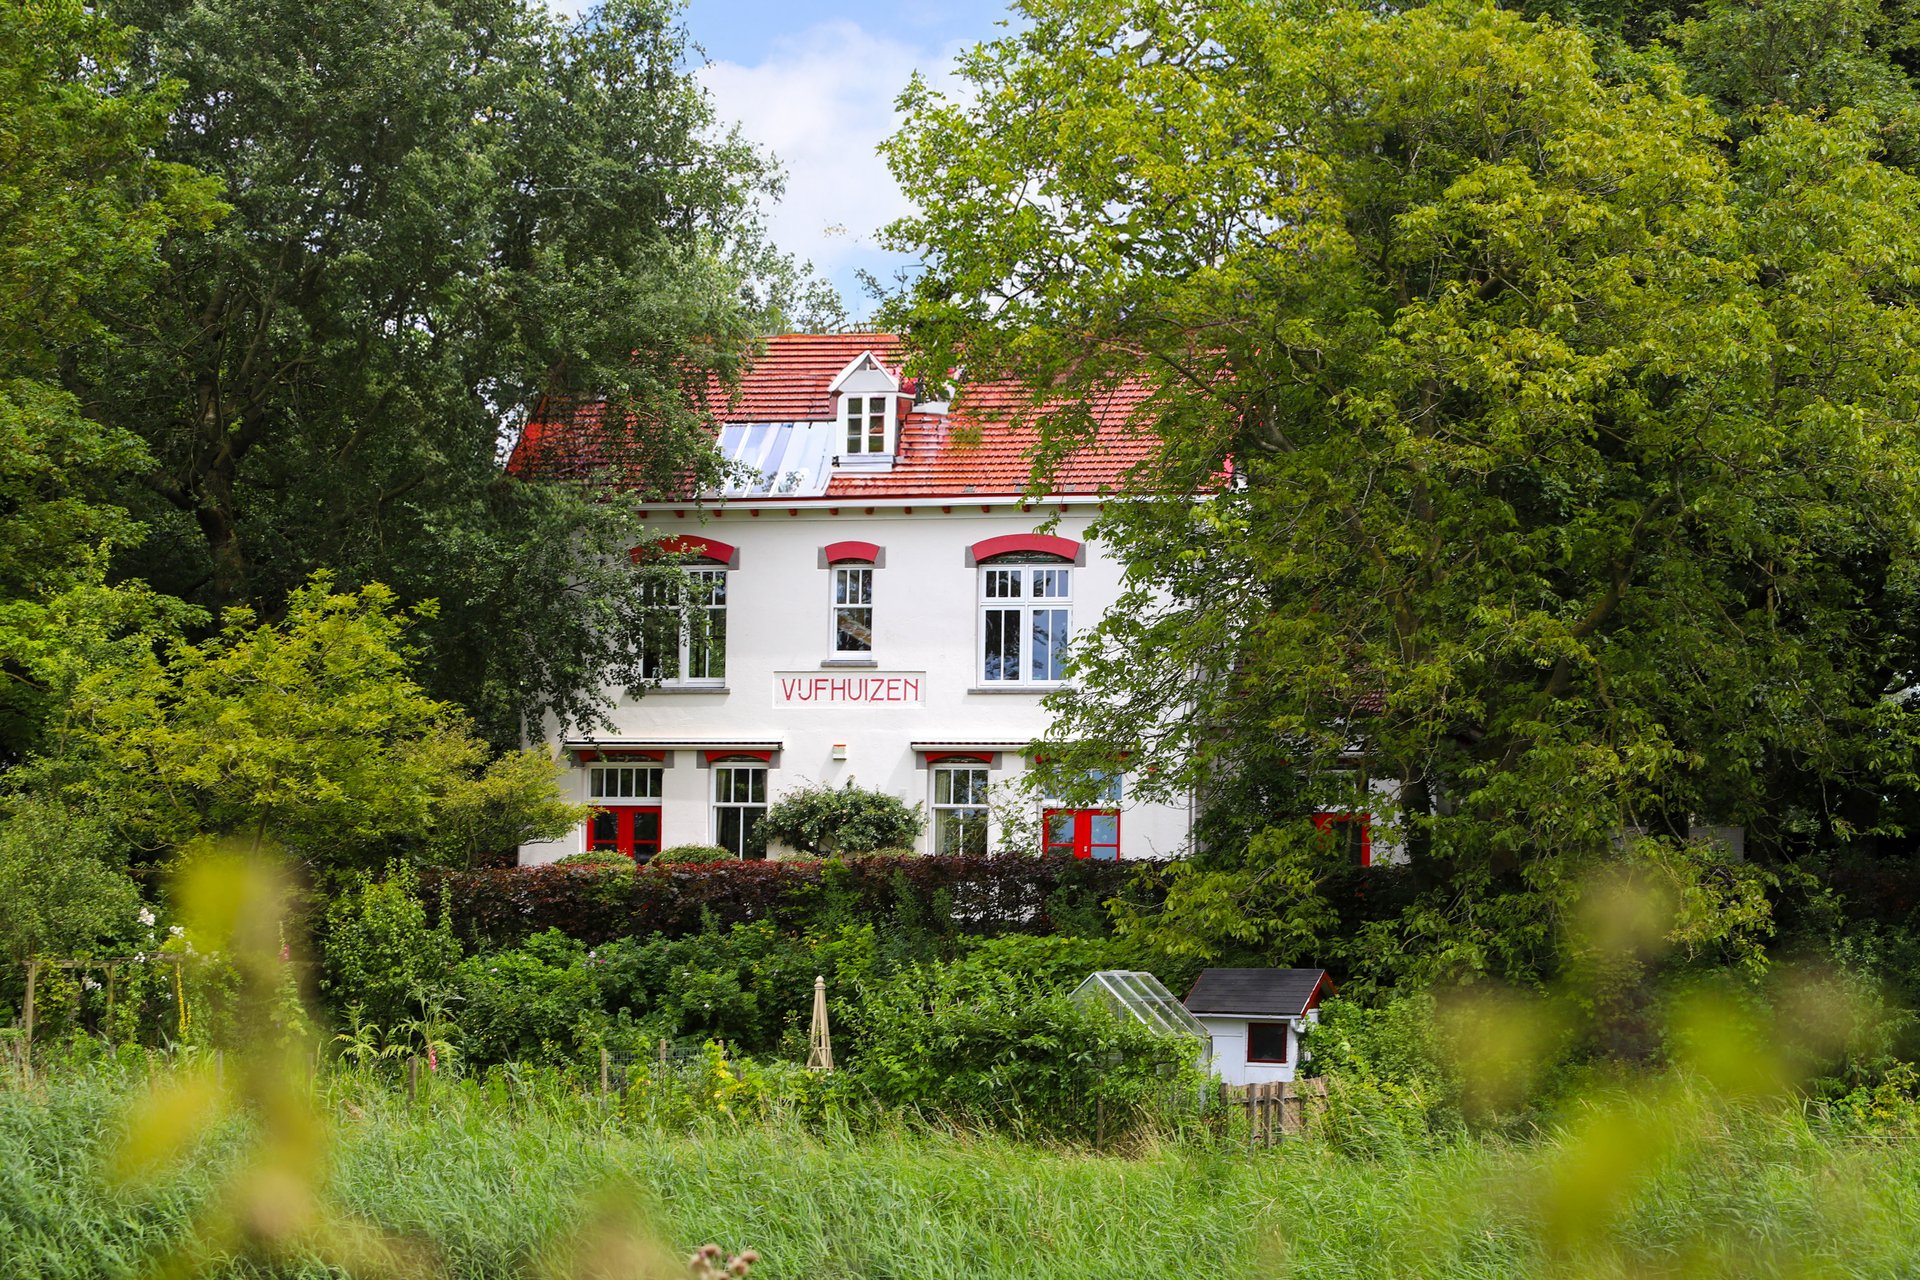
(777, 459)
(1144, 997)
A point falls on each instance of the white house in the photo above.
(1256, 1018)
(882, 601)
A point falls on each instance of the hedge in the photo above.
(989, 894)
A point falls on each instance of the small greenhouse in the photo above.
(1143, 997)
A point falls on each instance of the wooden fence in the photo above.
(1277, 1109)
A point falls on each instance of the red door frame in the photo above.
(1082, 845)
(1326, 821)
(624, 841)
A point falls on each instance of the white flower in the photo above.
(146, 917)
(139, 957)
(177, 930)
(88, 984)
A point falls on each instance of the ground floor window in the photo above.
(739, 802)
(1352, 831)
(630, 829)
(1083, 833)
(1267, 1042)
(960, 808)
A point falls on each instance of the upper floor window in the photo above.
(685, 629)
(866, 424)
(1026, 615)
(852, 611)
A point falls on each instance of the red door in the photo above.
(632, 829)
(1357, 828)
(1083, 833)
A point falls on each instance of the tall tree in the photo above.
(83, 205)
(446, 212)
(1524, 449)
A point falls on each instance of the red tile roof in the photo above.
(984, 447)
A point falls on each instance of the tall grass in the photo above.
(495, 1186)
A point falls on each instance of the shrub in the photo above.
(684, 855)
(999, 1049)
(538, 1003)
(611, 859)
(380, 949)
(824, 821)
(958, 896)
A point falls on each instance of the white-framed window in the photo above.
(623, 782)
(865, 420)
(852, 611)
(1026, 617)
(687, 644)
(959, 808)
(739, 802)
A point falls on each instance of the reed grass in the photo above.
(490, 1183)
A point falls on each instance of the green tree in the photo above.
(446, 214)
(83, 206)
(64, 887)
(1556, 463)
(310, 734)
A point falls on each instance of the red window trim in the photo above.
(941, 757)
(852, 552)
(1082, 831)
(690, 544)
(1008, 543)
(1324, 821)
(724, 755)
(1286, 1043)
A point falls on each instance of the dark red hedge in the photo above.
(980, 895)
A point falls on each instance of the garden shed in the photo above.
(1257, 1019)
(1143, 997)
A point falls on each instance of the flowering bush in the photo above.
(822, 820)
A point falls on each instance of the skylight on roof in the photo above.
(777, 459)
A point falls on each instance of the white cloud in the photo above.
(822, 101)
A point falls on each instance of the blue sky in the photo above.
(814, 81)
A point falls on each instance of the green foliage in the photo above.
(690, 855)
(414, 258)
(607, 859)
(973, 1043)
(84, 206)
(64, 890)
(823, 821)
(1556, 507)
(535, 1004)
(311, 732)
(382, 952)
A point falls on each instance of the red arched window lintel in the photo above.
(1043, 543)
(725, 754)
(691, 544)
(941, 757)
(851, 552)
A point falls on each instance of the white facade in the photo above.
(891, 717)
(1232, 1059)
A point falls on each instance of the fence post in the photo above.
(413, 1079)
(603, 1077)
(219, 1069)
(26, 1018)
(1099, 1124)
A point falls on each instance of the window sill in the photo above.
(849, 662)
(683, 688)
(1035, 690)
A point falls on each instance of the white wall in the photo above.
(1230, 1052)
(926, 620)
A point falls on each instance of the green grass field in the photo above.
(477, 1189)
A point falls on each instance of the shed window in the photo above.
(1267, 1042)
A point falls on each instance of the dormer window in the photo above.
(869, 397)
(866, 419)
